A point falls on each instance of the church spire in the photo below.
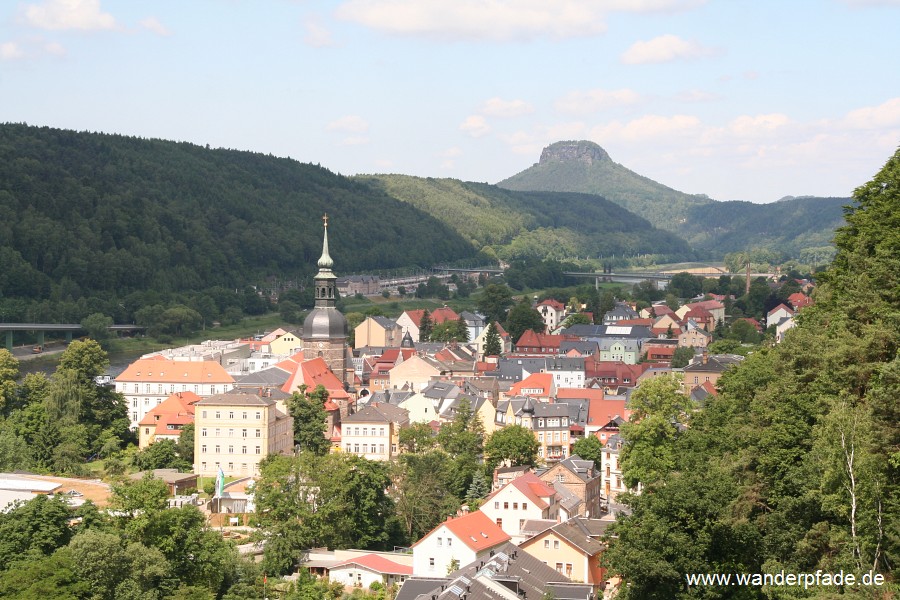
(325, 262)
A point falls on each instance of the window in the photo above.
(146, 431)
(380, 448)
(506, 506)
(568, 569)
(365, 431)
(259, 433)
(257, 450)
(218, 432)
(204, 414)
(134, 404)
(245, 415)
(243, 449)
(500, 523)
(356, 448)
(365, 449)
(203, 466)
(541, 437)
(203, 432)
(218, 415)
(203, 448)
(497, 505)
(243, 433)
(439, 542)
(218, 449)
(521, 524)
(258, 415)
(556, 544)
(231, 433)
(524, 506)
(431, 564)
(449, 542)
(559, 567)
(230, 414)
(231, 466)
(515, 506)
(547, 544)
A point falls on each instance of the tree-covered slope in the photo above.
(795, 466)
(84, 213)
(788, 226)
(712, 227)
(532, 224)
(585, 167)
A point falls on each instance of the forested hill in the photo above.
(795, 466)
(516, 225)
(585, 167)
(84, 213)
(712, 227)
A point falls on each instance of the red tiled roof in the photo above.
(475, 530)
(379, 564)
(313, 373)
(552, 303)
(543, 381)
(437, 316)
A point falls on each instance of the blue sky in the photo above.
(747, 100)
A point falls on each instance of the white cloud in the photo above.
(476, 126)
(317, 35)
(479, 19)
(884, 115)
(153, 24)
(11, 51)
(497, 107)
(589, 101)
(350, 124)
(665, 48)
(452, 152)
(754, 126)
(531, 143)
(647, 128)
(84, 15)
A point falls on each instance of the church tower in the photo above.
(325, 330)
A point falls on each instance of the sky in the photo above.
(736, 99)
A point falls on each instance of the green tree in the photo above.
(308, 411)
(35, 528)
(423, 496)
(577, 319)
(658, 410)
(185, 444)
(682, 356)
(162, 454)
(514, 444)
(9, 373)
(523, 317)
(480, 487)
(463, 440)
(97, 326)
(589, 448)
(418, 437)
(492, 343)
(86, 358)
(425, 327)
(495, 300)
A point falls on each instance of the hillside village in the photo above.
(534, 529)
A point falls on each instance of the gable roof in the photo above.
(541, 381)
(532, 487)
(783, 306)
(475, 530)
(377, 412)
(313, 373)
(377, 563)
(177, 409)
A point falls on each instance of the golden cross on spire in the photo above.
(325, 219)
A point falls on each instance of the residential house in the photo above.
(175, 481)
(574, 548)
(550, 423)
(146, 382)
(709, 367)
(525, 497)
(475, 324)
(540, 344)
(414, 373)
(611, 468)
(374, 431)
(505, 340)
(656, 353)
(165, 421)
(540, 386)
(507, 573)
(620, 312)
(714, 307)
(611, 375)
(553, 312)
(379, 332)
(234, 432)
(582, 479)
(363, 571)
(567, 371)
(778, 313)
(379, 373)
(798, 300)
(288, 343)
(694, 337)
(456, 541)
(411, 320)
(620, 349)
(782, 327)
